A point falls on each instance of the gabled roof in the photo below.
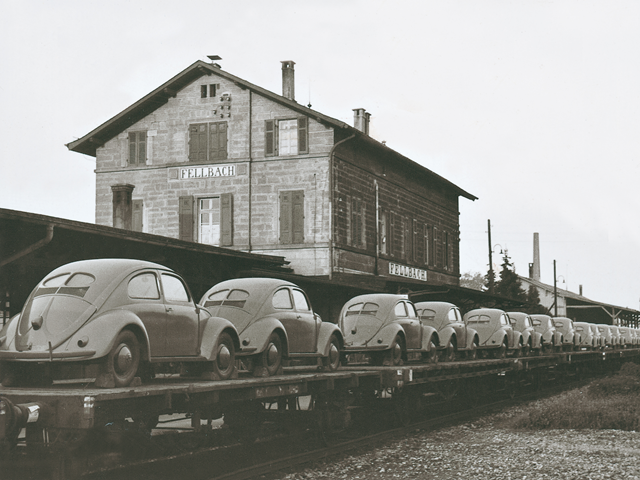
(89, 143)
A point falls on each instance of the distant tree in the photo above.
(533, 299)
(509, 284)
(474, 280)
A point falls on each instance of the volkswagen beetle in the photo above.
(497, 336)
(605, 331)
(570, 340)
(275, 320)
(531, 340)
(455, 337)
(551, 338)
(127, 317)
(626, 336)
(588, 340)
(387, 327)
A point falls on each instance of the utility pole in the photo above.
(555, 290)
(490, 280)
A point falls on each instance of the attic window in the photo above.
(211, 89)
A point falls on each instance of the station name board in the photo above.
(408, 272)
(207, 171)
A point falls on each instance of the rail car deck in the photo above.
(83, 406)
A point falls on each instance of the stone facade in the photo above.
(278, 178)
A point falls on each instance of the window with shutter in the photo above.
(427, 245)
(392, 234)
(137, 216)
(286, 136)
(185, 216)
(434, 243)
(292, 217)
(215, 220)
(208, 142)
(137, 148)
(357, 222)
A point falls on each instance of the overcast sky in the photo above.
(532, 106)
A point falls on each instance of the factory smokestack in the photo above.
(535, 274)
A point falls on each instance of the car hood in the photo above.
(48, 320)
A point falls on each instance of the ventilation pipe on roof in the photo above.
(288, 81)
(361, 120)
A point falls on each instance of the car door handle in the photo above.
(169, 309)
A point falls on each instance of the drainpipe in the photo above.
(331, 233)
(250, 168)
(377, 240)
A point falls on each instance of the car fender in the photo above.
(537, 340)
(210, 334)
(444, 335)
(324, 336)
(526, 336)
(431, 334)
(472, 336)
(517, 340)
(100, 333)
(257, 335)
(386, 335)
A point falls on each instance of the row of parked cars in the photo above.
(131, 318)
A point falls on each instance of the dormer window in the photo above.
(286, 137)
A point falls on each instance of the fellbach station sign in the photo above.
(207, 171)
(408, 272)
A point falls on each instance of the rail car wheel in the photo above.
(269, 362)
(331, 363)
(124, 358)
(406, 407)
(225, 363)
(449, 353)
(431, 355)
(501, 352)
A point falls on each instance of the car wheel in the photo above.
(225, 362)
(431, 355)
(124, 358)
(526, 350)
(501, 352)
(395, 352)
(269, 362)
(449, 353)
(332, 362)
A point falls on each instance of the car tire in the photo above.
(396, 351)
(526, 350)
(331, 363)
(225, 363)
(123, 360)
(449, 353)
(518, 351)
(269, 361)
(431, 355)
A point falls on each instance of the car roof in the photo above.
(438, 307)
(258, 287)
(518, 314)
(108, 273)
(491, 312)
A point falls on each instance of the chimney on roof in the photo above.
(288, 81)
(361, 120)
(535, 271)
(580, 290)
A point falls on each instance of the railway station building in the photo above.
(210, 158)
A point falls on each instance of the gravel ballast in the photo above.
(488, 448)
